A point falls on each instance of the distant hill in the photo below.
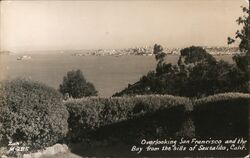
(222, 50)
(140, 51)
(148, 51)
(5, 52)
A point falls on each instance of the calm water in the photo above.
(109, 74)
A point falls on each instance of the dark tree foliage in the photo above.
(159, 54)
(243, 60)
(243, 34)
(197, 74)
(76, 86)
(159, 57)
(195, 55)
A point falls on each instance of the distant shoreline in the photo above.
(138, 51)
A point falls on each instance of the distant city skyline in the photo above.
(76, 25)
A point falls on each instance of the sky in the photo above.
(59, 25)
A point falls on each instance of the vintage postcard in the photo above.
(124, 78)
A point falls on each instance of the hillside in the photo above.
(197, 74)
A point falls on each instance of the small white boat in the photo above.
(24, 57)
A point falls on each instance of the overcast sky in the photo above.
(58, 25)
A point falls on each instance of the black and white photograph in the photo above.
(124, 78)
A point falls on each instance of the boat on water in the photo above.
(24, 57)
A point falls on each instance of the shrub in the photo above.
(76, 86)
(34, 114)
(222, 115)
(89, 114)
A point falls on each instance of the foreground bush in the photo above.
(89, 114)
(2, 110)
(222, 115)
(33, 115)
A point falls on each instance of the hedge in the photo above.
(222, 115)
(129, 119)
(221, 97)
(162, 124)
(89, 114)
(33, 114)
(2, 110)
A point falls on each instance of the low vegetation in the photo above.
(31, 114)
(88, 114)
(34, 115)
(157, 117)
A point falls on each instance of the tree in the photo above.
(197, 74)
(194, 55)
(159, 57)
(243, 60)
(243, 34)
(159, 54)
(76, 86)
